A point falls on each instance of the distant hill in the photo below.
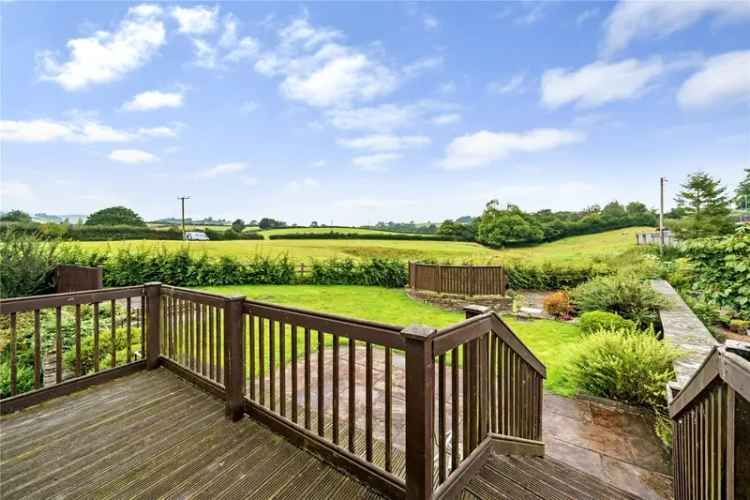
(72, 218)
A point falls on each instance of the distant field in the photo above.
(573, 250)
(313, 230)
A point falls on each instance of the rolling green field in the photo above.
(553, 342)
(573, 250)
(322, 230)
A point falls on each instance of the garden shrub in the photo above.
(389, 273)
(721, 269)
(27, 262)
(627, 366)
(549, 276)
(708, 313)
(24, 379)
(625, 294)
(593, 321)
(740, 326)
(557, 304)
(105, 349)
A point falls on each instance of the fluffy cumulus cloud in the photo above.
(385, 142)
(484, 147)
(222, 169)
(722, 79)
(318, 69)
(132, 156)
(379, 118)
(633, 19)
(82, 131)
(107, 56)
(375, 162)
(599, 82)
(198, 20)
(154, 99)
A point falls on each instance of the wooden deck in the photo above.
(154, 435)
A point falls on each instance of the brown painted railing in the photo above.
(462, 280)
(62, 339)
(711, 430)
(378, 400)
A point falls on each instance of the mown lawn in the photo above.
(573, 250)
(551, 341)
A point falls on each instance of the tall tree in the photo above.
(706, 207)
(742, 195)
(115, 216)
(16, 216)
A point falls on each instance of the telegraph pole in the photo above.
(182, 201)
(662, 180)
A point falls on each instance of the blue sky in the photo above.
(353, 113)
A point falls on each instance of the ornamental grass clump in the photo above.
(625, 294)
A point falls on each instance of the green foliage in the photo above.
(105, 350)
(231, 234)
(625, 294)
(238, 226)
(593, 321)
(15, 216)
(115, 216)
(335, 235)
(458, 230)
(91, 233)
(707, 312)
(499, 227)
(24, 379)
(627, 366)
(721, 270)
(742, 194)
(388, 273)
(740, 326)
(549, 276)
(557, 304)
(707, 211)
(267, 223)
(27, 263)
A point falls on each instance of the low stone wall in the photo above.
(457, 302)
(686, 332)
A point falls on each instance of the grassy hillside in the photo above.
(573, 250)
(313, 230)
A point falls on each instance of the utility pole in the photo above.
(182, 201)
(662, 180)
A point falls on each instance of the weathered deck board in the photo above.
(537, 478)
(152, 435)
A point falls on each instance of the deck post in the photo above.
(153, 326)
(472, 310)
(233, 356)
(420, 383)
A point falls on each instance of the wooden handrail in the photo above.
(23, 304)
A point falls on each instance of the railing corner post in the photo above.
(153, 326)
(420, 382)
(233, 356)
(472, 310)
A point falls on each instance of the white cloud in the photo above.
(321, 72)
(11, 191)
(205, 54)
(132, 156)
(300, 186)
(380, 118)
(586, 15)
(385, 142)
(375, 162)
(512, 86)
(599, 82)
(229, 35)
(723, 78)
(484, 147)
(422, 65)
(157, 132)
(430, 22)
(198, 20)
(84, 131)
(154, 99)
(534, 14)
(631, 20)
(247, 48)
(107, 56)
(447, 88)
(446, 119)
(223, 168)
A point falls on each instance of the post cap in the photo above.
(152, 283)
(418, 332)
(234, 298)
(475, 309)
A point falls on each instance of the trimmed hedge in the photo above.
(332, 235)
(549, 276)
(78, 232)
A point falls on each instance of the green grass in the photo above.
(322, 230)
(551, 341)
(573, 250)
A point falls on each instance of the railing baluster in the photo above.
(37, 352)
(307, 378)
(261, 359)
(441, 417)
(493, 386)
(352, 384)
(282, 367)
(272, 363)
(388, 409)
(335, 393)
(368, 401)
(295, 398)
(96, 336)
(321, 383)
(13, 361)
(251, 341)
(78, 340)
(113, 333)
(211, 345)
(465, 400)
(454, 409)
(129, 332)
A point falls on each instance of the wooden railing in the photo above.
(380, 401)
(461, 280)
(711, 430)
(58, 342)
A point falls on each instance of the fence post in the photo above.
(153, 326)
(233, 356)
(420, 382)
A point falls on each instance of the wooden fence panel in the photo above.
(78, 278)
(461, 280)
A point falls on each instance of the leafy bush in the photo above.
(332, 235)
(721, 269)
(557, 304)
(105, 349)
(593, 321)
(549, 276)
(632, 367)
(625, 294)
(707, 312)
(390, 273)
(27, 264)
(115, 216)
(24, 379)
(739, 326)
